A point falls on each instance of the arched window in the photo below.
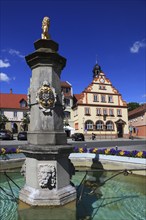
(89, 125)
(109, 126)
(99, 125)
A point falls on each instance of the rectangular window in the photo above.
(104, 111)
(98, 111)
(89, 125)
(2, 112)
(111, 112)
(14, 114)
(109, 127)
(87, 111)
(76, 126)
(66, 90)
(99, 126)
(119, 112)
(67, 102)
(95, 98)
(102, 87)
(103, 98)
(66, 114)
(110, 98)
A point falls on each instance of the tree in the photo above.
(3, 120)
(132, 106)
(25, 122)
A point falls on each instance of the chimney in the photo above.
(11, 92)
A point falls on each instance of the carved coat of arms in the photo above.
(46, 97)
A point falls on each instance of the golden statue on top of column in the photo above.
(45, 28)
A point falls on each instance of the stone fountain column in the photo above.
(48, 169)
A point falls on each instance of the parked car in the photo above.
(78, 137)
(6, 135)
(22, 135)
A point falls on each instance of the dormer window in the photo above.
(23, 103)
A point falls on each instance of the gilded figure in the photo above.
(45, 27)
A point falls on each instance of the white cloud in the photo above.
(137, 45)
(4, 64)
(16, 53)
(4, 77)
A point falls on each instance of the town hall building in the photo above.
(100, 109)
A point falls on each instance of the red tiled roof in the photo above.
(65, 84)
(77, 96)
(140, 109)
(12, 101)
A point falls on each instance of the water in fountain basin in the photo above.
(122, 198)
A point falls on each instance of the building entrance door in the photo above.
(120, 130)
(120, 127)
(15, 128)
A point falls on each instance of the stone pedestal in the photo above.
(48, 169)
(46, 64)
(48, 178)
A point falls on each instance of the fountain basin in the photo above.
(121, 197)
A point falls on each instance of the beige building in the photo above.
(137, 121)
(100, 109)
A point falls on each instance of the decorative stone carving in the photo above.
(47, 176)
(46, 97)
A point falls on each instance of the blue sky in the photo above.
(111, 32)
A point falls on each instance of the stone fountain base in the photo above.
(48, 175)
(43, 197)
